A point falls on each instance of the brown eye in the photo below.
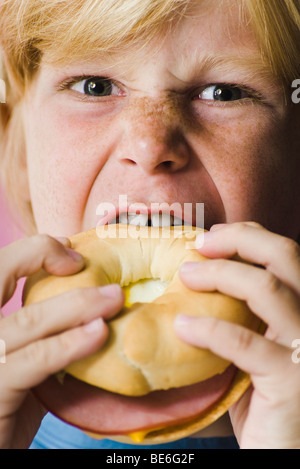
(223, 93)
(98, 87)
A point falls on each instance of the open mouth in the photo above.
(155, 219)
(151, 214)
(157, 215)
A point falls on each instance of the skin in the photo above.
(162, 137)
(163, 140)
(267, 416)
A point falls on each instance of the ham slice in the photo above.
(98, 411)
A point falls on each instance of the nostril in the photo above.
(167, 164)
(129, 162)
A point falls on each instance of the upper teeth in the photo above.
(133, 219)
(157, 219)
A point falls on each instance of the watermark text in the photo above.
(296, 93)
(176, 219)
(296, 353)
(2, 91)
(2, 352)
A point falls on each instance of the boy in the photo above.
(166, 101)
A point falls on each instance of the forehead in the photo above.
(214, 35)
(208, 35)
(215, 22)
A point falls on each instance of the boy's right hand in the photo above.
(43, 338)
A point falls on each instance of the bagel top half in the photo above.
(143, 353)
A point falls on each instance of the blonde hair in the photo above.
(80, 28)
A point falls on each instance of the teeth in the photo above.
(156, 220)
(161, 219)
(177, 221)
(123, 218)
(138, 220)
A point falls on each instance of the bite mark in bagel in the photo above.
(144, 367)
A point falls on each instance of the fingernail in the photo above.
(218, 226)
(203, 239)
(110, 291)
(183, 320)
(189, 267)
(76, 256)
(63, 240)
(94, 326)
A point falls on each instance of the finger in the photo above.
(60, 313)
(31, 365)
(248, 350)
(28, 255)
(252, 242)
(64, 241)
(271, 300)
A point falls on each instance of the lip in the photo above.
(186, 213)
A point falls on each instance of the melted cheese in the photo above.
(144, 291)
(138, 437)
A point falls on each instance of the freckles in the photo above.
(242, 160)
(239, 145)
(159, 116)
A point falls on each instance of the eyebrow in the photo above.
(253, 66)
(189, 69)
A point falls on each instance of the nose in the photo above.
(152, 138)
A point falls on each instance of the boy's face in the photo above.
(165, 126)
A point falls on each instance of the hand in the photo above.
(268, 415)
(45, 337)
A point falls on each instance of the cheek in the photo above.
(245, 158)
(64, 158)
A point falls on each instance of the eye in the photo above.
(223, 93)
(96, 87)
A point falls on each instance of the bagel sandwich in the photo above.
(145, 386)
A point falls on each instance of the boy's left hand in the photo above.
(268, 415)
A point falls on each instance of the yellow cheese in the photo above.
(138, 437)
(144, 291)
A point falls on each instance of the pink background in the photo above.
(9, 233)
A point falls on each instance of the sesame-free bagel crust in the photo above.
(143, 353)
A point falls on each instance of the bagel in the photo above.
(144, 371)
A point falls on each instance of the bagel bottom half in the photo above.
(145, 385)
